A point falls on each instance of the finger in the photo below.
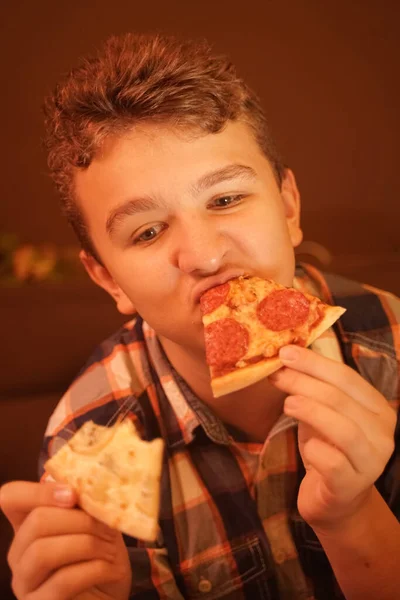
(46, 555)
(335, 373)
(19, 498)
(68, 582)
(47, 521)
(338, 430)
(296, 383)
(333, 466)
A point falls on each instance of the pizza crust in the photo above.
(332, 314)
(110, 516)
(115, 474)
(140, 524)
(245, 376)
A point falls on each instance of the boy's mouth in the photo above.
(209, 282)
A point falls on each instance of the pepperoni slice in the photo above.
(226, 342)
(283, 309)
(213, 298)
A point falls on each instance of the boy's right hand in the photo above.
(59, 551)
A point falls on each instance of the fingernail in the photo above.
(63, 495)
(289, 353)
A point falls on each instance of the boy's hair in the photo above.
(138, 78)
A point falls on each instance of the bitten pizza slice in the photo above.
(246, 322)
(116, 475)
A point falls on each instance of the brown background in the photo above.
(328, 76)
(327, 72)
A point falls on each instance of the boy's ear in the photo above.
(101, 276)
(291, 201)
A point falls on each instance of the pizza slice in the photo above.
(246, 322)
(116, 475)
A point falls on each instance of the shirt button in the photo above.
(205, 586)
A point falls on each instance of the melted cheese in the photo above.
(241, 305)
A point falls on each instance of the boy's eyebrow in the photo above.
(138, 205)
(230, 172)
(127, 209)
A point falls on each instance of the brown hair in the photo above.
(142, 78)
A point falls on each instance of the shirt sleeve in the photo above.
(386, 378)
(371, 342)
(389, 482)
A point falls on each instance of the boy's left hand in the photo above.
(346, 434)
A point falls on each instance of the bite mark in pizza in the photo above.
(116, 475)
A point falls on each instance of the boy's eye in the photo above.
(225, 201)
(149, 234)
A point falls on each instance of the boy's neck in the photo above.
(254, 410)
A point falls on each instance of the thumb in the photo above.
(19, 498)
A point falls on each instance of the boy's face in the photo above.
(171, 215)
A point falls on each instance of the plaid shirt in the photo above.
(229, 524)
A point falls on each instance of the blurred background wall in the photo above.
(328, 76)
(327, 73)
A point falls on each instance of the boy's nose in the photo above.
(201, 249)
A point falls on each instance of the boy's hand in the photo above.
(346, 435)
(59, 551)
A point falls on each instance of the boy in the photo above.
(286, 489)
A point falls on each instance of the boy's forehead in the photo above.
(154, 159)
(154, 139)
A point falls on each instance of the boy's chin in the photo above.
(189, 345)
